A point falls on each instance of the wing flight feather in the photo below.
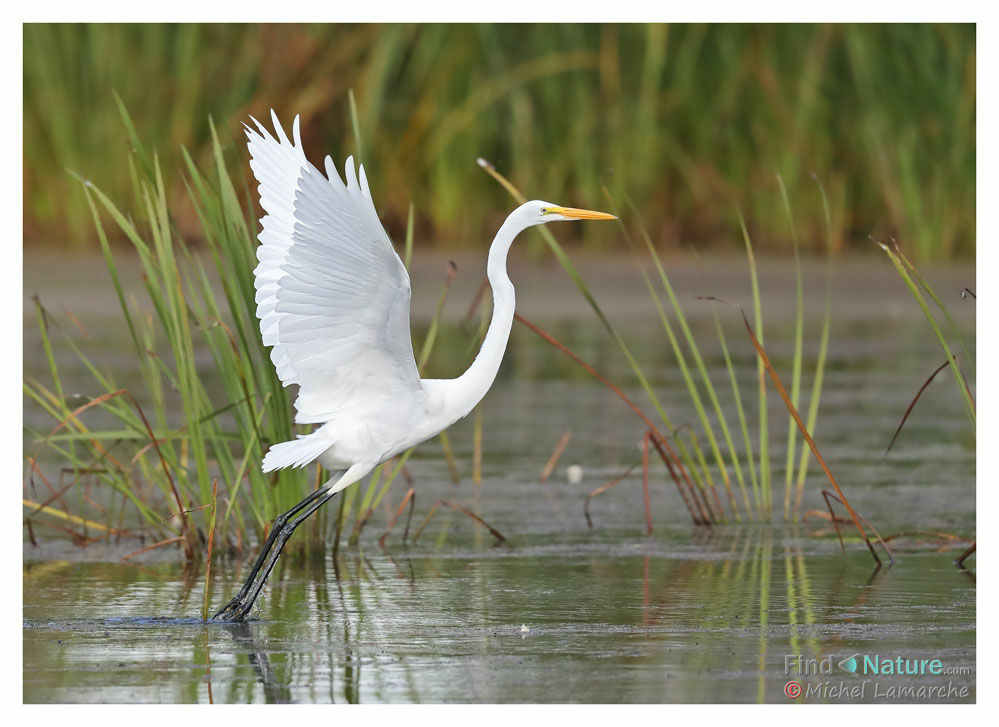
(332, 294)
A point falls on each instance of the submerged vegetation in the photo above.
(694, 118)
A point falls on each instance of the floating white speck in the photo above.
(525, 629)
(574, 473)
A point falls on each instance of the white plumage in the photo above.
(327, 275)
(333, 303)
(332, 295)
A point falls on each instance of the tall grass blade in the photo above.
(743, 425)
(355, 125)
(408, 253)
(799, 326)
(766, 505)
(939, 303)
(958, 376)
(820, 362)
(211, 544)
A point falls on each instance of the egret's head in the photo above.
(543, 212)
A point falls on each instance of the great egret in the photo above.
(333, 301)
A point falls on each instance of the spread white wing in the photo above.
(332, 294)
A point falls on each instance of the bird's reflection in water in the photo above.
(336, 616)
(275, 692)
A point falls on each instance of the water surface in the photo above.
(611, 619)
(563, 612)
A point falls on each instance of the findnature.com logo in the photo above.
(869, 665)
(872, 665)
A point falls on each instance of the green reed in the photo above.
(197, 422)
(726, 458)
(227, 424)
(918, 286)
(692, 116)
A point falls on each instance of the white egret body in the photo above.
(333, 301)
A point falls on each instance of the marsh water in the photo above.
(561, 611)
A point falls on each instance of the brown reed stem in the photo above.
(599, 491)
(660, 442)
(410, 498)
(495, 533)
(563, 442)
(645, 482)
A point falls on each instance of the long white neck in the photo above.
(463, 393)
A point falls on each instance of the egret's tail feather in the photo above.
(296, 453)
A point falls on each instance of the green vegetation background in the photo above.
(690, 122)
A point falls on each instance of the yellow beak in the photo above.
(577, 214)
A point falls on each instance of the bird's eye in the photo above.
(544, 210)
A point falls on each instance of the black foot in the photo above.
(233, 612)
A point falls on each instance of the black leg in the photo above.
(275, 553)
(229, 611)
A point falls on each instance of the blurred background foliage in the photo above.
(690, 123)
